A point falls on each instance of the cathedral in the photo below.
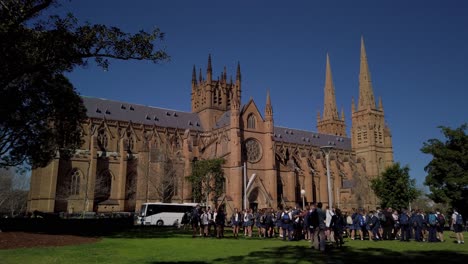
(132, 154)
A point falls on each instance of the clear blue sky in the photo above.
(417, 52)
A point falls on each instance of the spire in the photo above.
(225, 74)
(209, 70)
(342, 114)
(380, 104)
(366, 93)
(194, 75)
(268, 107)
(330, 111)
(238, 73)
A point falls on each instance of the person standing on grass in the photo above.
(432, 220)
(204, 221)
(313, 224)
(220, 220)
(279, 223)
(269, 222)
(457, 226)
(418, 225)
(440, 225)
(404, 226)
(321, 227)
(195, 219)
(338, 224)
(235, 222)
(286, 218)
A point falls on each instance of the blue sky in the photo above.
(417, 53)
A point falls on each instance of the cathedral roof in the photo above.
(302, 137)
(141, 114)
(224, 120)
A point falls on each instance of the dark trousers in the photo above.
(375, 233)
(418, 233)
(405, 233)
(387, 232)
(432, 234)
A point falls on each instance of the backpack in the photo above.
(286, 219)
(459, 219)
(362, 222)
(432, 219)
(441, 219)
(404, 219)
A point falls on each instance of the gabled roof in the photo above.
(141, 114)
(302, 137)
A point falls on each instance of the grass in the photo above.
(160, 246)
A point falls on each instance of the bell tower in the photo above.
(370, 136)
(210, 97)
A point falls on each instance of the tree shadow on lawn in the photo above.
(296, 254)
(142, 232)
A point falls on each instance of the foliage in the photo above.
(41, 112)
(13, 193)
(394, 187)
(207, 179)
(424, 203)
(447, 172)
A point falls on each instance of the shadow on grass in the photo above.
(142, 232)
(301, 254)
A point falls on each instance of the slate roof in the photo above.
(141, 114)
(296, 136)
(224, 120)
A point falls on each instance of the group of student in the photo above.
(329, 225)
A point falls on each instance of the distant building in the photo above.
(132, 153)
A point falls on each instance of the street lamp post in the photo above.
(303, 192)
(326, 150)
(245, 185)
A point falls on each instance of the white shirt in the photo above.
(454, 217)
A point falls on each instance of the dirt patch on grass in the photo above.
(10, 240)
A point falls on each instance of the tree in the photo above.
(41, 113)
(207, 180)
(13, 191)
(165, 183)
(447, 172)
(394, 187)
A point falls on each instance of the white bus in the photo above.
(164, 214)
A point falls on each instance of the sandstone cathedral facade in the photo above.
(132, 154)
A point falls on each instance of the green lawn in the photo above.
(173, 246)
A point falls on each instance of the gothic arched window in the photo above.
(251, 121)
(75, 179)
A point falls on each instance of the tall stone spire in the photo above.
(238, 73)
(194, 75)
(268, 108)
(330, 123)
(330, 111)
(366, 93)
(209, 70)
